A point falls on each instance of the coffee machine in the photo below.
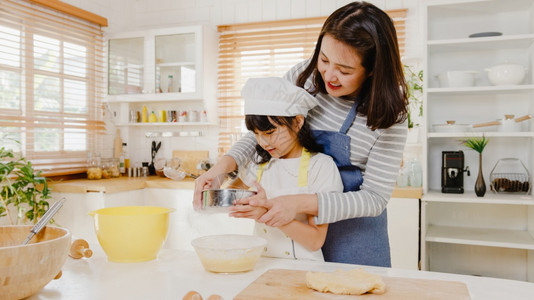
(452, 172)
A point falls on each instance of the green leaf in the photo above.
(476, 143)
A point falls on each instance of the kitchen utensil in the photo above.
(509, 175)
(153, 152)
(174, 174)
(457, 78)
(485, 34)
(229, 253)
(44, 219)
(190, 159)
(80, 248)
(509, 124)
(451, 126)
(221, 198)
(506, 74)
(518, 126)
(26, 269)
(159, 164)
(131, 233)
(291, 284)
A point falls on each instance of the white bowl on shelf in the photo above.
(506, 74)
(455, 79)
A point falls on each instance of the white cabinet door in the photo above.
(403, 229)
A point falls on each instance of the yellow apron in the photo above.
(303, 168)
(278, 243)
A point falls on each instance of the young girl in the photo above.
(286, 162)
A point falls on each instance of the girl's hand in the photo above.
(203, 182)
(210, 179)
(247, 211)
(242, 209)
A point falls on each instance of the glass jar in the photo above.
(510, 176)
(114, 169)
(402, 177)
(415, 173)
(94, 167)
(106, 168)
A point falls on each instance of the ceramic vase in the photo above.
(480, 184)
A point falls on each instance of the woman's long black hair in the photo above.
(265, 123)
(383, 96)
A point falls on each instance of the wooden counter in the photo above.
(121, 184)
(407, 192)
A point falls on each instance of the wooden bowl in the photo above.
(25, 269)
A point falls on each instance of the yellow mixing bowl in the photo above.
(131, 233)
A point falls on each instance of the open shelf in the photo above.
(518, 239)
(470, 197)
(481, 133)
(481, 44)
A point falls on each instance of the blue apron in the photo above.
(361, 241)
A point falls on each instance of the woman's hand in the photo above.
(280, 212)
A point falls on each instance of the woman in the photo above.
(355, 68)
(286, 161)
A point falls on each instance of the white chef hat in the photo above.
(275, 96)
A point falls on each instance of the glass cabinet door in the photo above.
(126, 66)
(175, 63)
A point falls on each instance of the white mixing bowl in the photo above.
(506, 74)
(457, 78)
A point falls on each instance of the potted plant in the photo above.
(478, 144)
(21, 188)
(414, 81)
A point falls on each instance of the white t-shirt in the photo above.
(280, 177)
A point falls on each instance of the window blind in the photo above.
(51, 86)
(265, 49)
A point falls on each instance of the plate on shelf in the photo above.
(485, 34)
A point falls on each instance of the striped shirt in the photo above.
(377, 153)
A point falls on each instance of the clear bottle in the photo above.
(170, 84)
(415, 173)
(402, 177)
(117, 144)
(122, 168)
(126, 156)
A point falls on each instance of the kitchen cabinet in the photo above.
(84, 196)
(403, 230)
(462, 233)
(162, 69)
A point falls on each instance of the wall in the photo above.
(125, 15)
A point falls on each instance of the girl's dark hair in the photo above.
(263, 123)
(383, 96)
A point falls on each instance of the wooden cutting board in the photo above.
(190, 159)
(291, 284)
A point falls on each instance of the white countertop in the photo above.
(175, 272)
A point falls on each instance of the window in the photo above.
(51, 86)
(260, 50)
